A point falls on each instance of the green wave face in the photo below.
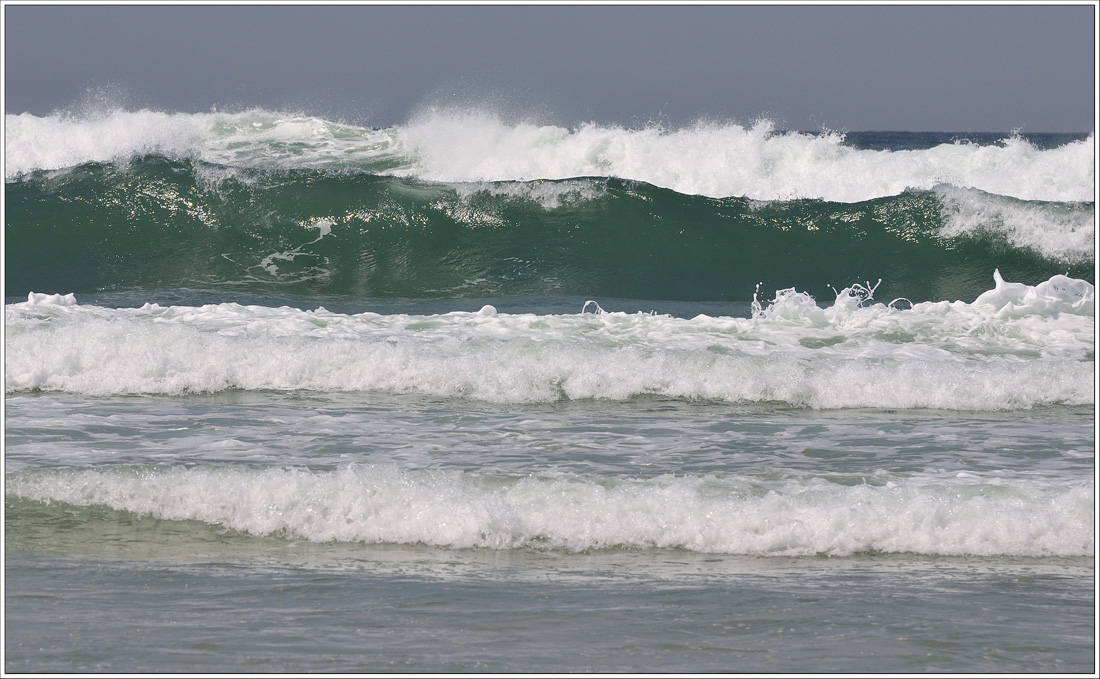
(158, 223)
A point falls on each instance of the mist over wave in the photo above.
(709, 158)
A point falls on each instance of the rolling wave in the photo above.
(156, 222)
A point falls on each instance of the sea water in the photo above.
(465, 395)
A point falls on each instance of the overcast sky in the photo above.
(920, 68)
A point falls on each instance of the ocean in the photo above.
(475, 395)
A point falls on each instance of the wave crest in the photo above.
(710, 159)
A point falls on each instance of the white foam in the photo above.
(252, 138)
(36, 299)
(474, 146)
(1056, 231)
(324, 228)
(1014, 347)
(727, 159)
(937, 515)
(1060, 294)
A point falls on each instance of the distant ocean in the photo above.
(284, 394)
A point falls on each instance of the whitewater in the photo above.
(709, 158)
(1016, 346)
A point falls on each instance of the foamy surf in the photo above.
(1016, 346)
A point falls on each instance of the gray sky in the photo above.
(919, 68)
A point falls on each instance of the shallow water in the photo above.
(282, 608)
(99, 589)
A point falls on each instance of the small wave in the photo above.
(963, 514)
